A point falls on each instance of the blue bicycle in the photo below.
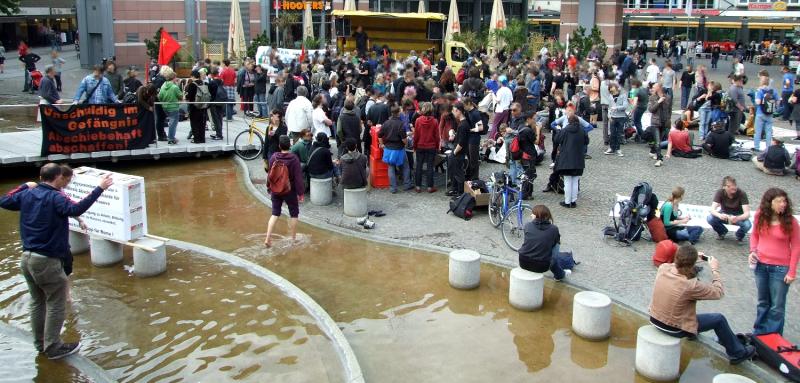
(507, 211)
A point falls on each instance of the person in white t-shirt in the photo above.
(651, 73)
(502, 102)
(738, 67)
(322, 124)
(298, 114)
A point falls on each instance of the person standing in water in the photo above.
(286, 184)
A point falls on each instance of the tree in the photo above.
(9, 7)
(260, 40)
(151, 45)
(580, 44)
(514, 36)
(284, 24)
(473, 40)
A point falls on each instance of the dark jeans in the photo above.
(734, 121)
(719, 226)
(58, 82)
(48, 286)
(161, 122)
(617, 125)
(717, 322)
(197, 120)
(425, 157)
(455, 169)
(686, 233)
(785, 106)
(604, 123)
(474, 156)
(685, 91)
(771, 291)
(554, 266)
(216, 112)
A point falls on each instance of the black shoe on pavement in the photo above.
(564, 204)
(217, 138)
(162, 139)
(64, 351)
(573, 205)
(451, 193)
(749, 352)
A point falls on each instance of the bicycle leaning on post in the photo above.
(507, 211)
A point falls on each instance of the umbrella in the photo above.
(308, 28)
(236, 43)
(453, 25)
(350, 5)
(497, 22)
(421, 8)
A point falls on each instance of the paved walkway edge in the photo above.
(706, 340)
(328, 326)
(80, 362)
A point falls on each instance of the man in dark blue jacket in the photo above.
(46, 259)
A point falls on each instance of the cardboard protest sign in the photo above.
(121, 211)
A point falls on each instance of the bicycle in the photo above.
(507, 210)
(249, 144)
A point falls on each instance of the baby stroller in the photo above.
(36, 80)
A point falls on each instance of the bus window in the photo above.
(458, 54)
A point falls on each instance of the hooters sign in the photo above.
(297, 5)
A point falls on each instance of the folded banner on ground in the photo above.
(95, 128)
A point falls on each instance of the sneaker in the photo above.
(653, 156)
(64, 351)
(658, 163)
(552, 165)
(587, 157)
(608, 151)
(567, 272)
(369, 224)
(619, 153)
(797, 138)
(216, 138)
(172, 142)
(362, 220)
(749, 351)
(720, 237)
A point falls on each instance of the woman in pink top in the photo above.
(774, 250)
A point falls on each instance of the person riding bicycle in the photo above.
(540, 251)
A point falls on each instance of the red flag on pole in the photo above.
(302, 53)
(167, 48)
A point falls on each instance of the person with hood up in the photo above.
(294, 197)
(570, 160)
(539, 251)
(349, 125)
(354, 166)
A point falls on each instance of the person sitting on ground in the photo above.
(679, 142)
(321, 164)
(673, 308)
(354, 166)
(677, 230)
(540, 250)
(775, 160)
(294, 197)
(718, 142)
(730, 207)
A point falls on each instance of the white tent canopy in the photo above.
(308, 27)
(237, 47)
(453, 24)
(498, 22)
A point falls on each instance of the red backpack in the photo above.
(461, 76)
(278, 180)
(665, 253)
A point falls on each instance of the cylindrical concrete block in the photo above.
(591, 315)
(355, 202)
(526, 289)
(321, 191)
(732, 378)
(105, 252)
(658, 355)
(149, 264)
(465, 269)
(78, 242)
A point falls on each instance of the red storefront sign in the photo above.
(667, 11)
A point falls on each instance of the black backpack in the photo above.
(632, 215)
(462, 206)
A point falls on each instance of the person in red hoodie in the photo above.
(426, 144)
(294, 197)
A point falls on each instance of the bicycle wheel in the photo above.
(513, 225)
(248, 144)
(495, 208)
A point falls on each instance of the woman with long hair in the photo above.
(447, 82)
(774, 252)
(677, 230)
(275, 129)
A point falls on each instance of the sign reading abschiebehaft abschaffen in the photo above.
(120, 213)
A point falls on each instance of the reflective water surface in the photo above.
(394, 305)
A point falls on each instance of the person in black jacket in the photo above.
(775, 160)
(349, 125)
(539, 251)
(196, 115)
(570, 160)
(529, 136)
(215, 111)
(456, 161)
(275, 129)
(29, 59)
(718, 142)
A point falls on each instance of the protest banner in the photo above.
(85, 128)
(120, 214)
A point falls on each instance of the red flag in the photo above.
(302, 53)
(167, 48)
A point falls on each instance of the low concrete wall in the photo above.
(328, 326)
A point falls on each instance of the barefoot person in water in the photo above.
(292, 178)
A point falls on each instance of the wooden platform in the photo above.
(24, 148)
